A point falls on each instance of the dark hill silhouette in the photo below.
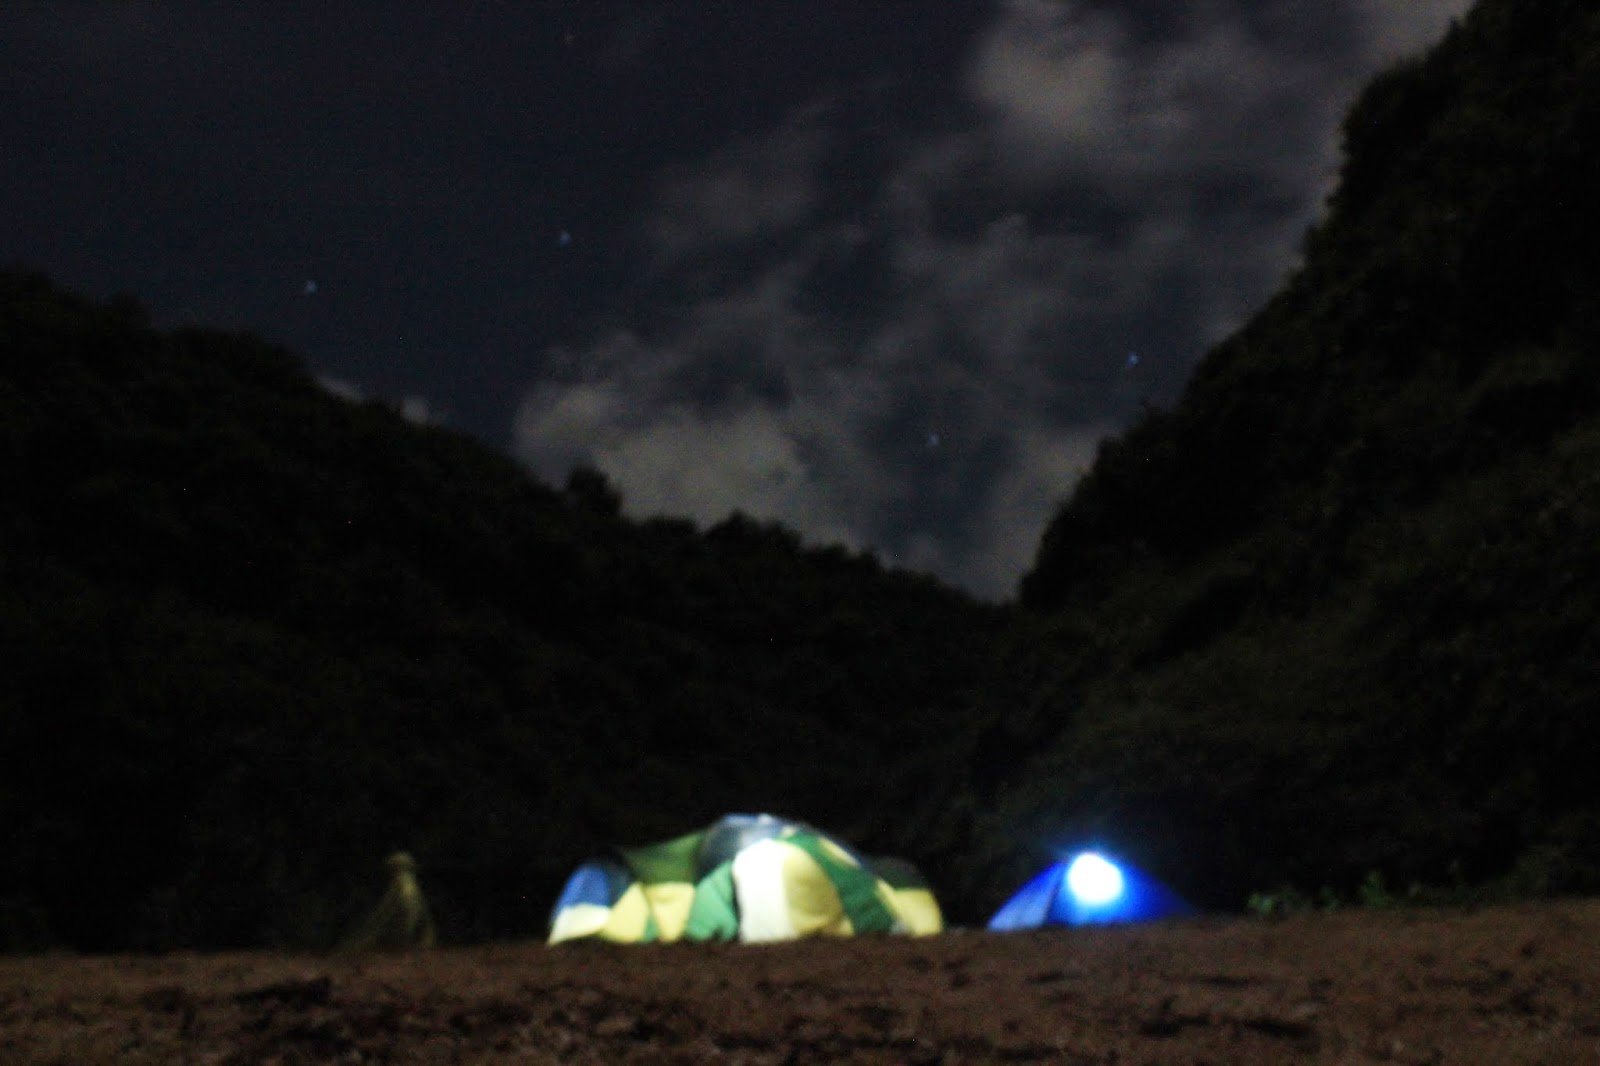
(1335, 612)
(260, 636)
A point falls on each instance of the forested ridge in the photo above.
(260, 635)
(1334, 613)
(1329, 616)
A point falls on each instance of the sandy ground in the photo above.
(1504, 986)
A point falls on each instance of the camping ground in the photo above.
(1501, 985)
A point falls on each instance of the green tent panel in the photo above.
(670, 860)
(714, 915)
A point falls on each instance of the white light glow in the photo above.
(1094, 880)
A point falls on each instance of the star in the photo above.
(310, 288)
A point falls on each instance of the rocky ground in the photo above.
(1504, 986)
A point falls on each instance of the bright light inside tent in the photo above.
(1094, 880)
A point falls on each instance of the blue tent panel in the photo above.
(600, 882)
(1032, 905)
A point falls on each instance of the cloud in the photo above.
(414, 409)
(922, 360)
(886, 429)
(1214, 126)
(417, 411)
(345, 390)
(635, 413)
(1247, 92)
(1045, 464)
(1397, 28)
(750, 188)
(1072, 91)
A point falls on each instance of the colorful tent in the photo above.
(1088, 889)
(746, 877)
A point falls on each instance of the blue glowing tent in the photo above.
(1088, 889)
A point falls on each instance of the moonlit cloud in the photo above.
(414, 409)
(417, 411)
(764, 399)
(926, 368)
(1044, 464)
(345, 390)
(1072, 93)
(754, 186)
(1397, 28)
(635, 413)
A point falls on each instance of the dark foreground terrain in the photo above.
(1508, 985)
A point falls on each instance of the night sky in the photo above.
(884, 271)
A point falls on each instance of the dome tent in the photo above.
(746, 877)
(1088, 889)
